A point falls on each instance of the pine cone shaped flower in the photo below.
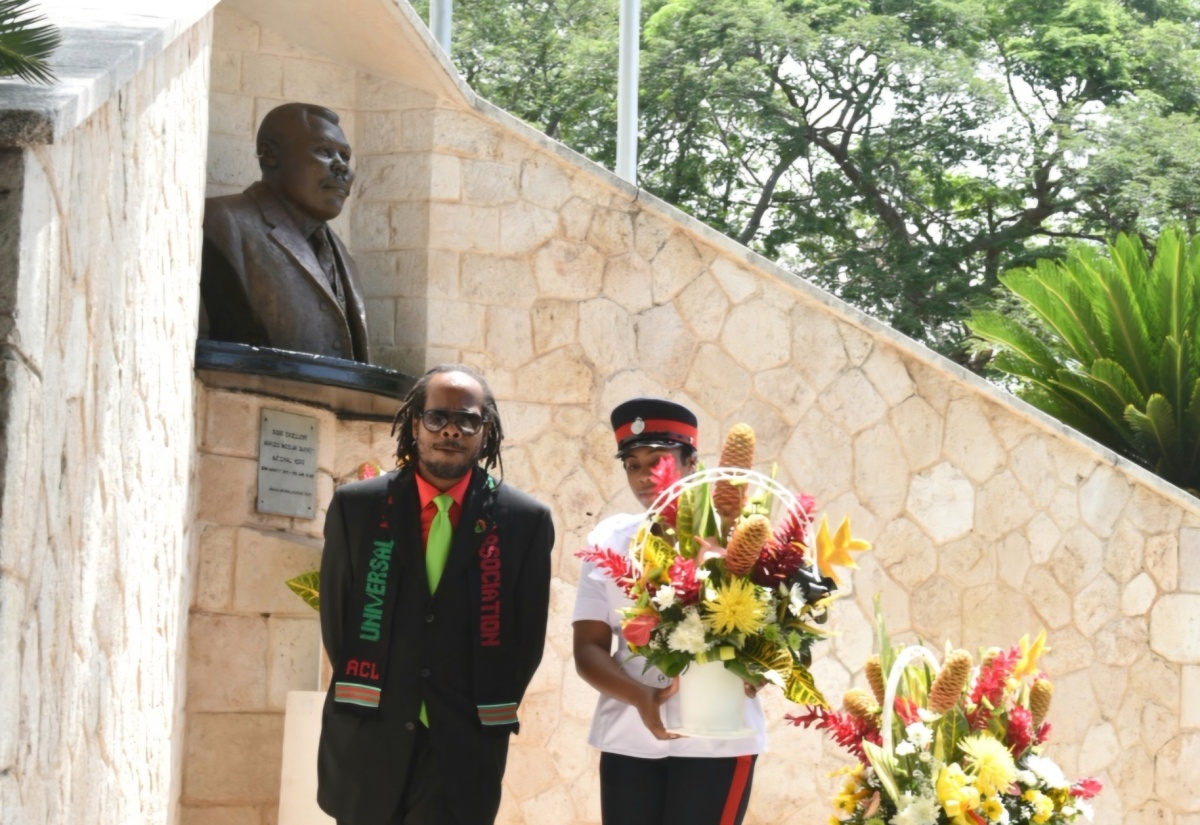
(875, 677)
(857, 702)
(1039, 700)
(738, 451)
(949, 684)
(747, 542)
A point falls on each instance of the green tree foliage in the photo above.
(552, 63)
(1112, 349)
(26, 42)
(901, 153)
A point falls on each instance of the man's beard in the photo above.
(450, 468)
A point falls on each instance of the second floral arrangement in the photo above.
(711, 578)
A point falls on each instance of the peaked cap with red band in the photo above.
(653, 422)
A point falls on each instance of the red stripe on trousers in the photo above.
(737, 788)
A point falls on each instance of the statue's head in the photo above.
(305, 158)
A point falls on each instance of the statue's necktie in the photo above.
(324, 251)
(437, 549)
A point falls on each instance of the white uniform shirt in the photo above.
(616, 726)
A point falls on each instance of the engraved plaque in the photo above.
(287, 464)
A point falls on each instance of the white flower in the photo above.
(915, 810)
(796, 600)
(702, 573)
(919, 734)
(1085, 808)
(926, 715)
(665, 597)
(688, 635)
(1047, 771)
(905, 748)
(925, 756)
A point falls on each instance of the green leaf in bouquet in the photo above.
(802, 688)
(885, 766)
(763, 654)
(670, 662)
(657, 556)
(308, 587)
(684, 519)
(948, 732)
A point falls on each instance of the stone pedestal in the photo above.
(254, 646)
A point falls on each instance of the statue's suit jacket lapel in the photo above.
(288, 237)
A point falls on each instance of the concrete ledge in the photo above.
(105, 44)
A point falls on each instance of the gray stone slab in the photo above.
(103, 49)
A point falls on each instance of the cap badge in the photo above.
(637, 427)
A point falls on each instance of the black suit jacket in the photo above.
(261, 284)
(363, 762)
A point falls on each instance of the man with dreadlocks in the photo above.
(435, 584)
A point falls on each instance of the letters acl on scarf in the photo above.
(374, 615)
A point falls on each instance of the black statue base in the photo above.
(349, 388)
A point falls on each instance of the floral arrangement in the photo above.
(964, 746)
(710, 579)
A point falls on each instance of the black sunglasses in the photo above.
(468, 423)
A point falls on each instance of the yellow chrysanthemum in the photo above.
(993, 808)
(735, 608)
(1043, 806)
(991, 763)
(845, 804)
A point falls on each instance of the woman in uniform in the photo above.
(650, 775)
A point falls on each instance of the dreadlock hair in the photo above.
(414, 405)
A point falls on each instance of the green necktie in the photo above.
(437, 549)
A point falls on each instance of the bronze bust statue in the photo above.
(273, 274)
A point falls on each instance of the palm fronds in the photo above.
(1111, 348)
(26, 42)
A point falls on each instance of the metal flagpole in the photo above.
(440, 14)
(627, 90)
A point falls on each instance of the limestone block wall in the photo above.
(100, 246)
(483, 242)
(250, 639)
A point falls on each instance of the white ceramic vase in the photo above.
(712, 702)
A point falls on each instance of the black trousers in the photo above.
(677, 790)
(424, 798)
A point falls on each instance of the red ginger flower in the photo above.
(617, 566)
(683, 579)
(664, 473)
(989, 685)
(1086, 788)
(847, 730)
(1019, 735)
